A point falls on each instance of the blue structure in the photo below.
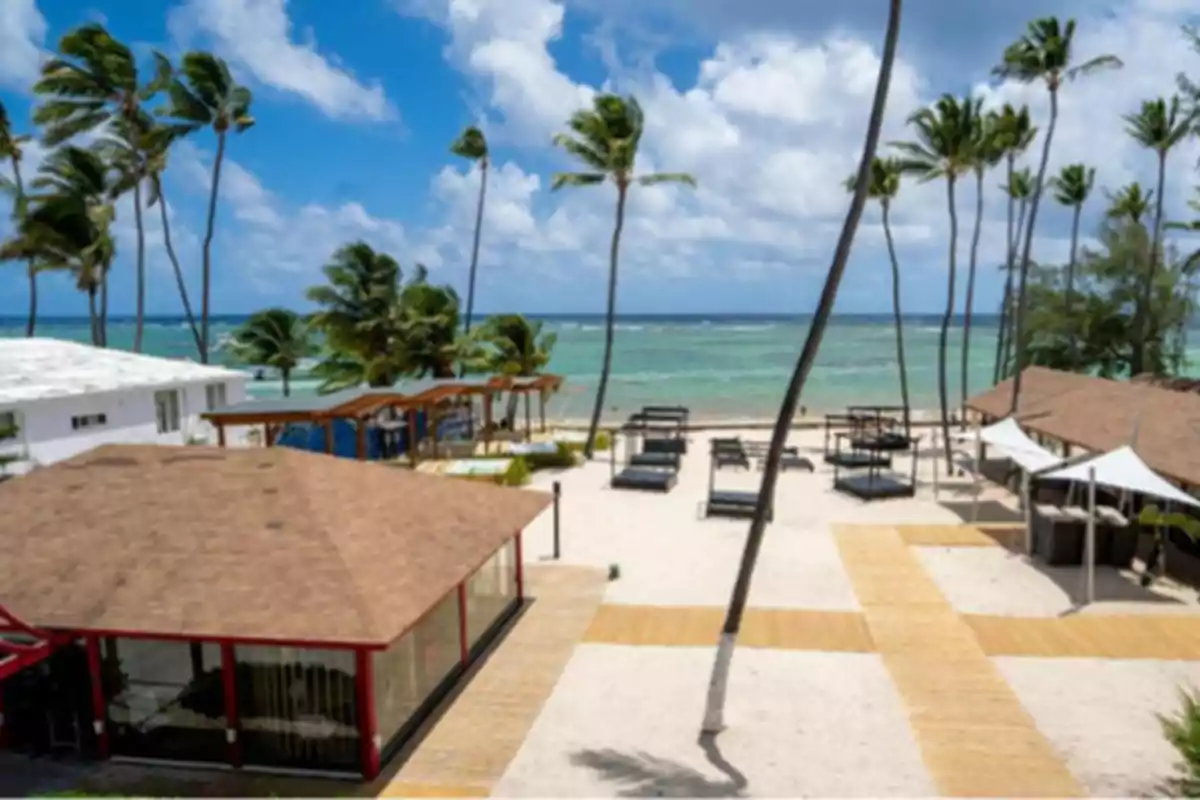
(311, 437)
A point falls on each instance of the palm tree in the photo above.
(1190, 263)
(1071, 188)
(276, 337)
(208, 97)
(1158, 126)
(945, 148)
(1043, 53)
(429, 328)
(1019, 189)
(518, 347)
(988, 150)
(472, 145)
(95, 81)
(1131, 203)
(883, 186)
(715, 707)
(1014, 133)
(12, 149)
(605, 139)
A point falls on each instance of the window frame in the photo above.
(173, 404)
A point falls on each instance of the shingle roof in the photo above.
(38, 369)
(1101, 414)
(263, 543)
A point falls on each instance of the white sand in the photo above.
(1101, 716)
(623, 721)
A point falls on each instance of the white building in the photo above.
(58, 399)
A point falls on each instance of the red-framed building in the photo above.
(257, 608)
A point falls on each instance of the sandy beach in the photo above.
(623, 717)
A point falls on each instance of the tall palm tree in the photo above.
(883, 187)
(988, 150)
(1071, 187)
(1043, 53)
(714, 713)
(945, 148)
(516, 346)
(605, 139)
(1014, 133)
(275, 337)
(1019, 190)
(95, 81)
(1131, 203)
(429, 327)
(472, 145)
(12, 149)
(207, 97)
(1158, 126)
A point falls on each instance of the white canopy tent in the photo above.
(1007, 437)
(1119, 469)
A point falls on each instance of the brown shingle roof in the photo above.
(1099, 414)
(243, 543)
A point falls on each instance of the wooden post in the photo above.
(232, 716)
(270, 434)
(528, 424)
(464, 644)
(432, 418)
(368, 730)
(411, 413)
(542, 408)
(220, 434)
(329, 436)
(487, 421)
(520, 569)
(361, 432)
(99, 706)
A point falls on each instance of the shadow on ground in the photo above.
(989, 512)
(643, 775)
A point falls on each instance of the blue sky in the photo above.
(764, 101)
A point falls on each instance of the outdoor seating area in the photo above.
(869, 475)
(729, 502)
(647, 451)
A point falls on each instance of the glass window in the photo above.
(214, 396)
(298, 708)
(491, 591)
(166, 410)
(165, 699)
(88, 421)
(411, 672)
(8, 425)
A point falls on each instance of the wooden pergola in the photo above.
(361, 406)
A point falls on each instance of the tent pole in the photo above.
(1090, 544)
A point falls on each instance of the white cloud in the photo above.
(22, 34)
(256, 36)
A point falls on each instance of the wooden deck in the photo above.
(1127, 636)
(1008, 536)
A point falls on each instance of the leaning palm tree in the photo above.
(883, 187)
(275, 337)
(1014, 133)
(1043, 53)
(988, 148)
(1019, 190)
(208, 97)
(95, 81)
(605, 139)
(12, 149)
(714, 713)
(945, 148)
(472, 145)
(1072, 186)
(1159, 126)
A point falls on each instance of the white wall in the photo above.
(45, 434)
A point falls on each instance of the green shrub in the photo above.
(603, 442)
(1183, 732)
(517, 474)
(563, 456)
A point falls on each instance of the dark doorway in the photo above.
(48, 706)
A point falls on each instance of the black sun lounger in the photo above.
(650, 480)
(875, 486)
(655, 459)
(857, 459)
(738, 505)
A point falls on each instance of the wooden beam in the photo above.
(411, 413)
(329, 436)
(528, 423)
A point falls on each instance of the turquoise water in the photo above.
(717, 365)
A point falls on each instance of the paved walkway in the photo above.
(974, 735)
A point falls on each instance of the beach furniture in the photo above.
(661, 431)
(839, 427)
(728, 452)
(646, 475)
(791, 458)
(727, 503)
(880, 428)
(870, 478)
(1058, 534)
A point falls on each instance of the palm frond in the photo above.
(561, 179)
(667, 177)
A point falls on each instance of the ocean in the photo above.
(718, 365)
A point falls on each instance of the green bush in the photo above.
(517, 474)
(603, 442)
(1183, 732)
(563, 456)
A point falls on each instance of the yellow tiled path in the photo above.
(1167, 637)
(1009, 536)
(700, 626)
(974, 735)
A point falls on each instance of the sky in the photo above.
(764, 101)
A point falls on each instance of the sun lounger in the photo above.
(655, 459)
(739, 505)
(1058, 535)
(645, 479)
(729, 453)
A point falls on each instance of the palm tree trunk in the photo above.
(1146, 332)
(966, 345)
(1012, 313)
(31, 322)
(1008, 279)
(104, 307)
(1030, 226)
(1073, 335)
(285, 375)
(141, 267)
(483, 181)
(947, 317)
(714, 712)
(93, 318)
(206, 274)
(610, 320)
(896, 310)
(170, 248)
